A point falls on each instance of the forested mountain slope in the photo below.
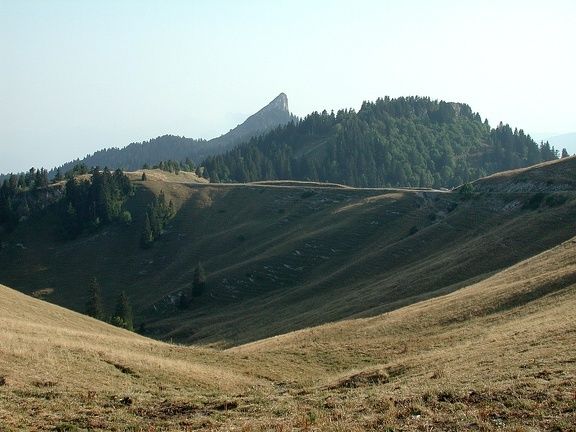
(403, 142)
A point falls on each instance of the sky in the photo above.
(80, 76)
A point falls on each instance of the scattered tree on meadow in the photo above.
(58, 177)
(94, 306)
(183, 301)
(146, 238)
(123, 313)
(157, 216)
(198, 281)
(467, 189)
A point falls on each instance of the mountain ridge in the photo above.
(171, 147)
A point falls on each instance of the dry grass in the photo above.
(468, 324)
(165, 176)
(497, 355)
(279, 258)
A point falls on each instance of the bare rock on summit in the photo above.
(272, 115)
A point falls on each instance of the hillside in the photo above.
(170, 147)
(300, 255)
(402, 142)
(495, 355)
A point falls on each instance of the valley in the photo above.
(281, 256)
(497, 355)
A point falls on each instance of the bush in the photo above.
(125, 218)
(466, 190)
(119, 322)
(307, 194)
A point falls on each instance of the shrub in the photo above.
(125, 218)
(308, 193)
(466, 190)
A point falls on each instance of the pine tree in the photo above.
(95, 307)
(123, 313)
(146, 238)
(198, 281)
(58, 177)
(184, 301)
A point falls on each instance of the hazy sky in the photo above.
(79, 76)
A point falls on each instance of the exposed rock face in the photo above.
(272, 115)
(280, 103)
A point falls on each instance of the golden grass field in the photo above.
(496, 355)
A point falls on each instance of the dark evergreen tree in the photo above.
(58, 177)
(95, 306)
(183, 301)
(13, 184)
(8, 216)
(94, 202)
(25, 208)
(41, 179)
(123, 312)
(158, 214)
(198, 281)
(146, 237)
(70, 225)
(30, 177)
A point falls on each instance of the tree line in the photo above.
(95, 201)
(22, 194)
(403, 142)
(173, 166)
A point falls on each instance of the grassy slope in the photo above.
(496, 355)
(279, 260)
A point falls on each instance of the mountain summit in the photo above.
(170, 147)
(272, 115)
(280, 103)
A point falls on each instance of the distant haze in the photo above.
(77, 77)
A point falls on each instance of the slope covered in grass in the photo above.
(495, 355)
(285, 256)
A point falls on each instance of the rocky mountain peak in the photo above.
(279, 104)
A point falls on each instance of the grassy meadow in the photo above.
(497, 355)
